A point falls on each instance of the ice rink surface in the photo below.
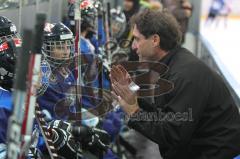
(224, 42)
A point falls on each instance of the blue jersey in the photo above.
(5, 112)
(60, 97)
(6, 108)
(56, 95)
(216, 6)
(57, 92)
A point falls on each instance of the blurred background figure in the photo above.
(151, 4)
(223, 14)
(70, 22)
(130, 7)
(215, 8)
(182, 11)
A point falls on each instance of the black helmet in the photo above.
(88, 16)
(60, 37)
(7, 27)
(9, 43)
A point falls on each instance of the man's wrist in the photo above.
(134, 111)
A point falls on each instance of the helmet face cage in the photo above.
(59, 53)
(4, 48)
(9, 37)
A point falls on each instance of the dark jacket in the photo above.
(201, 120)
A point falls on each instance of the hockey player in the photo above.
(58, 52)
(59, 99)
(9, 43)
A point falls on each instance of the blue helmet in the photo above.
(58, 44)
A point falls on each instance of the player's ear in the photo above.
(156, 40)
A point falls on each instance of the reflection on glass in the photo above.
(7, 4)
(11, 4)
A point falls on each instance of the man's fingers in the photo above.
(107, 96)
(119, 90)
(119, 72)
(122, 89)
(123, 70)
(112, 78)
(126, 74)
(116, 91)
(114, 95)
(120, 75)
(114, 74)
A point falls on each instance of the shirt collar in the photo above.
(166, 59)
